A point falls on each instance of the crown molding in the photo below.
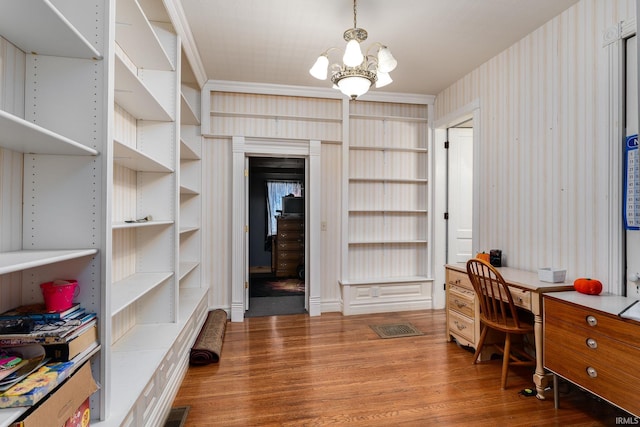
(312, 92)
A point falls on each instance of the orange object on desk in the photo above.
(483, 256)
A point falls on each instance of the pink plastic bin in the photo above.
(58, 295)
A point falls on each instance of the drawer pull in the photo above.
(460, 326)
(592, 372)
(459, 303)
(592, 321)
(591, 343)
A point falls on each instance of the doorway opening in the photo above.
(276, 215)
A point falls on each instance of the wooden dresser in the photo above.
(587, 343)
(289, 245)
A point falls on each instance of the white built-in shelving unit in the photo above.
(387, 246)
(104, 134)
(58, 201)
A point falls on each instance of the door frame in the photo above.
(310, 150)
(439, 164)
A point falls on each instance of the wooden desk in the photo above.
(587, 343)
(526, 290)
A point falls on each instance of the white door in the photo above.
(632, 236)
(460, 195)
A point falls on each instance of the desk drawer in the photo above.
(458, 278)
(579, 316)
(603, 371)
(521, 298)
(461, 300)
(462, 325)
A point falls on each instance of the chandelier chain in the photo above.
(355, 11)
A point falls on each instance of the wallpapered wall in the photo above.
(544, 145)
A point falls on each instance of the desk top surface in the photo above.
(527, 280)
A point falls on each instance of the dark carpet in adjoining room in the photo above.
(276, 306)
(273, 287)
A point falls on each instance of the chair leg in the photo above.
(483, 335)
(505, 359)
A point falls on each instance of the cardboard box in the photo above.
(60, 406)
(81, 417)
(36, 386)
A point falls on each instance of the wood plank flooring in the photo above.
(332, 369)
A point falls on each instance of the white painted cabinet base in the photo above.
(378, 297)
(147, 402)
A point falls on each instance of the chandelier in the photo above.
(358, 72)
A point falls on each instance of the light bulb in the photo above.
(352, 54)
(386, 61)
(383, 79)
(319, 69)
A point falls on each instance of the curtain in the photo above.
(276, 190)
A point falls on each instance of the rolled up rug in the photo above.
(208, 345)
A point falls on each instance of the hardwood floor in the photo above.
(298, 370)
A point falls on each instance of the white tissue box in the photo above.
(553, 275)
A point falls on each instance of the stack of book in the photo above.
(64, 335)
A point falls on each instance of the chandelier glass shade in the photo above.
(358, 71)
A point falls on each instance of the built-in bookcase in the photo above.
(190, 185)
(52, 146)
(387, 261)
(100, 173)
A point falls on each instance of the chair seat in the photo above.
(508, 326)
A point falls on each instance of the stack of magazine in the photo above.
(33, 339)
(64, 334)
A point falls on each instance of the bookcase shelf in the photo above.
(134, 96)
(187, 267)
(26, 137)
(37, 27)
(129, 290)
(21, 260)
(134, 159)
(187, 229)
(187, 152)
(136, 36)
(123, 225)
(187, 115)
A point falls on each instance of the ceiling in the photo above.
(436, 42)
